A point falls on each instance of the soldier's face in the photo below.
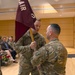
(37, 25)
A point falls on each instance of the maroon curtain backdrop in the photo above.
(25, 19)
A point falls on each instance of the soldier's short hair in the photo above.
(56, 27)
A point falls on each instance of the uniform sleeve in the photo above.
(20, 48)
(45, 54)
(43, 42)
(39, 56)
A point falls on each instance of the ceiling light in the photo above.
(11, 9)
(45, 8)
(56, 0)
(61, 6)
(60, 15)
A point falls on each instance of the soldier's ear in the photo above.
(50, 33)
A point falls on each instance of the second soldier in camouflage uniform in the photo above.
(51, 57)
(23, 47)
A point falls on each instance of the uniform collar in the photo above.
(55, 39)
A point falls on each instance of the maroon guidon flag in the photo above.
(25, 19)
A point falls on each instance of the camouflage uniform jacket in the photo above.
(51, 58)
(23, 46)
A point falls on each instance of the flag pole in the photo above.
(31, 35)
(34, 49)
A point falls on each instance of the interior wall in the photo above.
(66, 24)
(7, 28)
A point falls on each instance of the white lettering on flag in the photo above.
(32, 15)
(22, 5)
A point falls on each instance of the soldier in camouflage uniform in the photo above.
(51, 58)
(23, 47)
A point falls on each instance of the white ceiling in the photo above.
(60, 1)
(38, 2)
(64, 10)
(8, 3)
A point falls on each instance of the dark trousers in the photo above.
(13, 53)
